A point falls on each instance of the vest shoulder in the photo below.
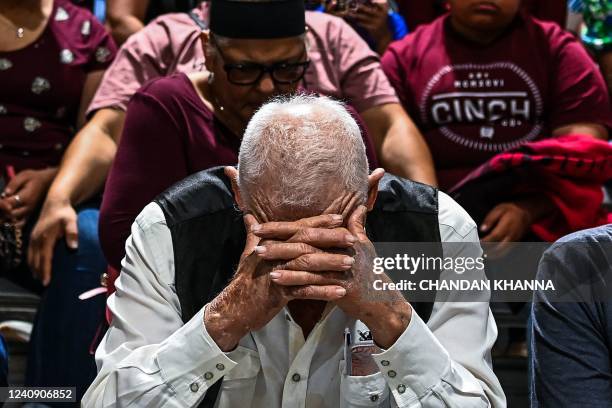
(202, 193)
(396, 194)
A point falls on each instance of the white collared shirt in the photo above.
(150, 358)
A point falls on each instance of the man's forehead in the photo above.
(264, 51)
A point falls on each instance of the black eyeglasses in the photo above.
(250, 73)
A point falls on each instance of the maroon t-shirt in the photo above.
(41, 86)
(472, 101)
(169, 134)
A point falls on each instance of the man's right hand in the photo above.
(57, 219)
(251, 300)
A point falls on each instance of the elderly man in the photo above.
(182, 336)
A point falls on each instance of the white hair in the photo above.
(302, 148)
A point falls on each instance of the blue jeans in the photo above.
(65, 326)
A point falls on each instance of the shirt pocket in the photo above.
(362, 391)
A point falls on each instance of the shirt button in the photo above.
(220, 367)
(391, 373)
(374, 398)
(385, 362)
(194, 387)
(401, 388)
(296, 377)
(208, 375)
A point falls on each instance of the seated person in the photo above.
(50, 66)
(571, 350)
(341, 65)
(475, 92)
(275, 336)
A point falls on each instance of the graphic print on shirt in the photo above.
(492, 107)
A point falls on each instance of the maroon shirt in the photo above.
(472, 101)
(41, 86)
(169, 134)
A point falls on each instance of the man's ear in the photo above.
(208, 56)
(232, 174)
(373, 180)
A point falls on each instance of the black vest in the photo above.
(208, 233)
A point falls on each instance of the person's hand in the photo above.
(24, 192)
(342, 257)
(504, 224)
(338, 8)
(57, 220)
(251, 300)
(373, 17)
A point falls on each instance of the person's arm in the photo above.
(81, 175)
(88, 158)
(149, 357)
(125, 17)
(149, 159)
(400, 146)
(581, 104)
(590, 129)
(92, 81)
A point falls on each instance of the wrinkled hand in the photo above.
(24, 192)
(504, 224)
(338, 257)
(57, 220)
(251, 300)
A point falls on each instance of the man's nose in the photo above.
(266, 84)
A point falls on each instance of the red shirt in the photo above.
(169, 134)
(473, 101)
(41, 86)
